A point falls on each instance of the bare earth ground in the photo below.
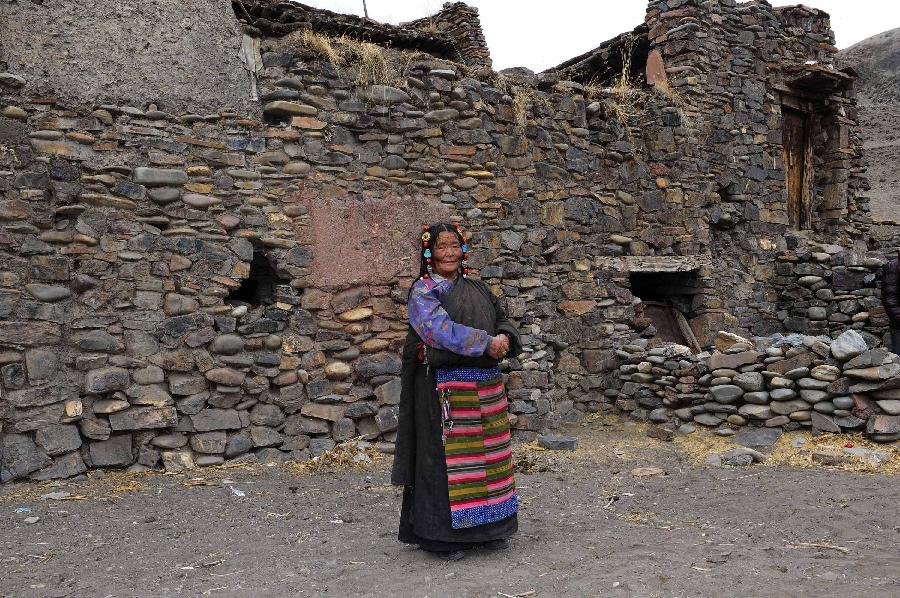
(588, 527)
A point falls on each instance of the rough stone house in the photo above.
(208, 213)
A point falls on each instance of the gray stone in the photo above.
(843, 402)
(37, 396)
(208, 442)
(883, 424)
(361, 409)
(383, 95)
(114, 452)
(143, 418)
(154, 395)
(98, 340)
(317, 446)
(169, 441)
(264, 414)
(726, 393)
(757, 437)
(750, 381)
(889, 406)
(558, 442)
(343, 429)
(225, 376)
(386, 419)
(238, 445)
(742, 456)
(758, 412)
(379, 364)
(389, 392)
(20, 456)
(192, 404)
(64, 466)
(813, 396)
(823, 422)
(94, 428)
(58, 439)
(159, 177)
(186, 384)
(227, 344)
(849, 422)
(103, 380)
(216, 419)
(707, 419)
(48, 292)
(757, 398)
(177, 305)
(164, 195)
(848, 345)
(149, 375)
(263, 436)
(788, 407)
(41, 365)
(782, 394)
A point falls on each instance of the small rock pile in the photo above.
(788, 382)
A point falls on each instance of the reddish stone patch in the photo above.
(656, 69)
(365, 239)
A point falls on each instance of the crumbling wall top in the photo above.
(454, 33)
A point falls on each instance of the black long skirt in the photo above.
(425, 514)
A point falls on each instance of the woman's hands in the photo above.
(499, 346)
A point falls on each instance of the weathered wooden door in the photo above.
(797, 166)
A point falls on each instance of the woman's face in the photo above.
(447, 254)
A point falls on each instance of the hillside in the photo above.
(877, 59)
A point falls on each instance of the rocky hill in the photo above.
(877, 59)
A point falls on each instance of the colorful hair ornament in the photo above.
(427, 253)
(426, 236)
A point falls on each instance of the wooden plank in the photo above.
(686, 331)
(806, 189)
(793, 139)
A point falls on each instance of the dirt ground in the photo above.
(588, 527)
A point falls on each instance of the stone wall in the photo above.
(181, 56)
(788, 382)
(186, 287)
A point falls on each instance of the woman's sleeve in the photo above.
(432, 322)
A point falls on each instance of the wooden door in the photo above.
(797, 166)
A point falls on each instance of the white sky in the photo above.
(539, 34)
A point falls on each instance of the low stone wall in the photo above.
(825, 289)
(789, 382)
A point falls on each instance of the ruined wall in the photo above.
(181, 56)
(728, 64)
(130, 335)
(788, 382)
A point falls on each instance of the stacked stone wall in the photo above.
(789, 382)
(127, 231)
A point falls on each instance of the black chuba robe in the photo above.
(419, 463)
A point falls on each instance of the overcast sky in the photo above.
(542, 34)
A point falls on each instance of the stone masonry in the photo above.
(184, 285)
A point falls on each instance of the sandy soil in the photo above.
(589, 527)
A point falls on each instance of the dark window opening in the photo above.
(668, 301)
(261, 287)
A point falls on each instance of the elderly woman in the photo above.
(453, 454)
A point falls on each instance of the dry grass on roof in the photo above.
(374, 64)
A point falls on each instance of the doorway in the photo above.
(798, 158)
